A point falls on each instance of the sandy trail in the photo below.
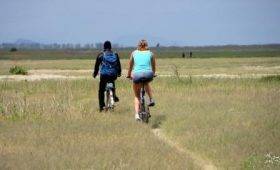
(56, 74)
(222, 76)
(37, 77)
(202, 163)
(57, 71)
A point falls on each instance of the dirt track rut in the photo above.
(198, 161)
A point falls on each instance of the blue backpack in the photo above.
(109, 64)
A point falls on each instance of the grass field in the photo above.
(234, 123)
(267, 65)
(55, 124)
(164, 53)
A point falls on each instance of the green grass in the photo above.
(266, 65)
(234, 123)
(164, 53)
(55, 124)
(18, 70)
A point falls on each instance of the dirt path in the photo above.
(223, 76)
(57, 71)
(36, 77)
(202, 163)
(56, 74)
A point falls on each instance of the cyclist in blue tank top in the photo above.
(142, 64)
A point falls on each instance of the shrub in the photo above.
(271, 78)
(18, 70)
(13, 49)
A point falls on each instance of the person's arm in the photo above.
(119, 65)
(97, 64)
(130, 66)
(154, 64)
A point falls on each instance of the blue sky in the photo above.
(176, 22)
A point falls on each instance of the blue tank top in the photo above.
(142, 61)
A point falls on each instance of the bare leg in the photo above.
(148, 90)
(136, 89)
(136, 104)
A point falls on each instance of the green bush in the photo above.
(13, 49)
(271, 78)
(18, 70)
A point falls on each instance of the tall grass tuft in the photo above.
(18, 70)
(271, 78)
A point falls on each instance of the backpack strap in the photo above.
(103, 56)
(104, 53)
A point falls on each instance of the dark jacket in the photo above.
(98, 61)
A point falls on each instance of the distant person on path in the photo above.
(108, 65)
(142, 64)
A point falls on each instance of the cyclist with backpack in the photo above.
(142, 65)
(108, 65)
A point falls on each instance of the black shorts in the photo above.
(143, 77)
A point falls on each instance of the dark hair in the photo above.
(107, 45)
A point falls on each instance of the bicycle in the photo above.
(144, 111)
(109, 97)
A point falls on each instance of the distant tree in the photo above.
(77, 46)
(87, 46)
(183, 55)
(13, 49)
(69, 46)
(116, 45)
(55, 46)
(99, 45)
(191, 54)
(64, 46)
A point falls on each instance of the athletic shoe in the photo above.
(152, 103)
(116, 99)
(101, 109)
(137, 118)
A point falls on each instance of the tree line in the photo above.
(54, 46)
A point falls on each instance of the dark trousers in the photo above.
(102, 86)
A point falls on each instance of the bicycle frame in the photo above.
(144, 112)
(109, 98)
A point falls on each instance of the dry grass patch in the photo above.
(233, 122)
(55, 125)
